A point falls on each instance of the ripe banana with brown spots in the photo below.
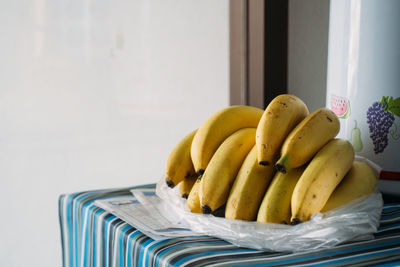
(275, 206)
(307, 138)
(217, 128)
(282, 114)
(179, 162)
(221, 172)
(359, 181)
(193, 200)
(320, 178)
(248, 189)
(185, 186)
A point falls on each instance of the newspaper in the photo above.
(142, 211)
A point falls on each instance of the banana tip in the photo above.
(264, 163)
(169, 182)
(185, 195)
(206, 209)
(200, 172)
(220, 212)
(280, 168)
(295, 221)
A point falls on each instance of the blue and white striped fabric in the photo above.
(91, 236)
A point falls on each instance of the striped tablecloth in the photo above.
(91, 236)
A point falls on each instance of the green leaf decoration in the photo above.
(393, 106)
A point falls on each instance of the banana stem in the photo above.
(206, 209)
(282, 164)
(264, 163)
(169, 182)
(295, 221)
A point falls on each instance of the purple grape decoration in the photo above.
(380, 118)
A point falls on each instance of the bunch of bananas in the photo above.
(278, 165)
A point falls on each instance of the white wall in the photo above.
(94, 94)
(307, 50)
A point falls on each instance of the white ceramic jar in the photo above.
(363, 83)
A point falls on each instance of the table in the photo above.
(91, 236)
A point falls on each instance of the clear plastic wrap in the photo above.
(357, 220)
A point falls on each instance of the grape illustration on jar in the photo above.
(380, 119)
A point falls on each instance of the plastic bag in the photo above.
(357, 220)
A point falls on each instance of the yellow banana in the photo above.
(217, 128)
(307, 138)
(275, 206)
(186, 185)
(193, 201)
(223, 168)
(359, 181)
(320, 178)
(248, 188)
(179, 162)
(282, 114)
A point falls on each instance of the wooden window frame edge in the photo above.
(258, 51)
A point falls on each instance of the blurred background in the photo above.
(94, 94)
